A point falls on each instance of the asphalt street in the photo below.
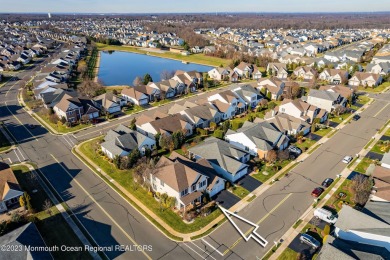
(110, 220)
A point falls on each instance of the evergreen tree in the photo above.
(147, 79)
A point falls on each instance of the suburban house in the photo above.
(234, 76)
(385, 162)
(278, 70)
(227, 160)
(381, 188)
(108, 102)
(365, 79)
(345, 92)
(287, 124)
(272, 85)
(244, 70)
(382, 68)
(324, 99)
(150, 90)
(134, 96)
(166, 125)
(10, 190)
(249, 94)
(257, 138)
(28, 239)
(198, 115)
(73, 108)
(305, 73)
(168, 88)
(219, 73)
(334, 76)
(123, 140)
(228, 103)
(366, 227)
(299, 109)
(176, 179)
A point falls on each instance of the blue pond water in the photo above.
(121, 68)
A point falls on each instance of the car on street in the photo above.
(355, 117)
(294, 149)
(317, 192)
(31, 126)
(327, 182)
(347, 159)
(309, 240)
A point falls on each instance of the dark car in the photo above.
(317, 192)
(355, 117)
(31, 126)
(327, 182)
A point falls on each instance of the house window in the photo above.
(283, 110)
(246, 148)
(217, 182)
(184, 192)
(161, 183)
(193, 188)
(154, 178)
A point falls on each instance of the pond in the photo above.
(121, 68)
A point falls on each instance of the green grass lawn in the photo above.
(323, 132)
(381, 147)
(288, 254)
(306, 144)
(378, 89)
(59, 127)
(363, 99)
(272, 170)
(161, 102)
(53, 228)
(193, 58)
(132, 109)
(4, 144)
(340, 118)
(363, 165)
(387, 132)
(125, 179)
(239, 191)
(336, 202)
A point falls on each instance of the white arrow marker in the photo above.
(259, 239)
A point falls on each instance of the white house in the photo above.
(10, 190)
(228, 103)
(272, 85)
(365, 79)
(334, 76)
(219, 73)
(249, 94)
(134, 96)
(325, 99)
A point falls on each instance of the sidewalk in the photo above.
(289, 236)
(63, 212)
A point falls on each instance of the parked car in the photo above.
(31, 126)
(327, 182)
(317, 192)
(347, 159)
(309, 240)
(325, 215)
(355, 117)
(294, 149)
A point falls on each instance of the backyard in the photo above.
(52, 227)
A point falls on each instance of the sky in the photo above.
(186, 6)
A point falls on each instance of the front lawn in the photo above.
(378, 89)
(363, 99)
(305, 144)
(59, 127)
(52, 227)
(269, 170)
(339, 119)
(125, 179)
(239, 191)
(381, 147)
(363, 165)
(336, 201)
(4, 144)
(288, 254)
(323, 132)
(132, 109)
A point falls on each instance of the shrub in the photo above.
(219, 134)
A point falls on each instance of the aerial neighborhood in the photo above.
(270, 115)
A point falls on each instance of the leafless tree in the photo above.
(137, 81)
(361, 186)
(90, 88)
(47, 207)
(272, 156)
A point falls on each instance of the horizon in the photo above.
(179, 6)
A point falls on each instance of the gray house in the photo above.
(226, 159)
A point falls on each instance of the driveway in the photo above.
(249, 183)
(385, 138)
(299, 247)
(333, 124)
(374, 156)
(314, 137)
(227, 199)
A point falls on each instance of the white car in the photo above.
(347, 159)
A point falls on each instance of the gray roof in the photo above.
(206, 112)
(322, 94)
(221, 153)
(247, 90)
(384, 65)
(27, 235)
(379, 210)
(263, 134)
(339, 249)
(351, 219)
